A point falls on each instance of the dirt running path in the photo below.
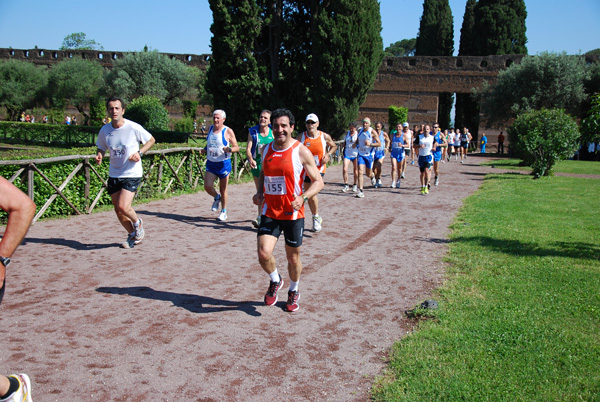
(181, 317)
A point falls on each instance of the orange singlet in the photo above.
(317, 147)
(283, 177)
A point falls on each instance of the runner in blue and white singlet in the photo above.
(350, 156)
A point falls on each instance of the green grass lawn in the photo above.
(519, 316)
(568, 166)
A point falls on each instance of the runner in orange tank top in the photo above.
(284, 164)
(317, 142)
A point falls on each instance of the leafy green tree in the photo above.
(548, 80)
(76, 82)
(402, 48)
(594, 52)
(154, 74)
(309, 56)
(590, 127)
(149, 112)
(78, 40)
(21, 86)
(500, 27)
(543, 137)
(436, 38)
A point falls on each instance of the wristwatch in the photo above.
(141, 153)
(305, 198)
(5, 261)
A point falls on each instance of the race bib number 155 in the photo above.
(275, 185)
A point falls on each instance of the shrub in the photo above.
(396, 114)
(543, 137)
(185, 125)
(149, 112)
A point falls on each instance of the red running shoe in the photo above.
(271, 295)
(292, 302)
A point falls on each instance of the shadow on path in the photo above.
(74, 244)
(192, 303)
(202, 222)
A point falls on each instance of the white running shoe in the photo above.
(402, 175)
(256, 222)
(379, 183)
(215, 205)
(23, 394)
(373, 181)
(393, 185)
(354, 188)
(360, 194)
(139, 232)
(223, 215)
(436, 182)
(345, 189)
(317, 223)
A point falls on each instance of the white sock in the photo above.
(274, 276)
(293, 286)
(138, 223)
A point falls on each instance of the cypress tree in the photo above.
(235, 79)
(436, 38)
(500, 27)
(467, 107)
(467, 40)
(307, 55)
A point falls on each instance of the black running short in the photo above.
(292, 229)
(126, 183)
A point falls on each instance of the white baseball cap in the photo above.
(405, 125)
(312, 117)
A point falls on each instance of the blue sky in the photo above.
(183, 26)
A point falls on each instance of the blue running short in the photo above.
(219, 169)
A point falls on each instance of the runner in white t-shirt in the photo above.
(122, 138)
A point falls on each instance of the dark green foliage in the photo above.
(149, 112)
(590, 127)
(396, 114)
(467, 40)
(78, 40)
(308, 56)
(436, 38)
(235, 78)
(594, 52)
(436, 31)
(467, 113)
(499, 27)
(75, 82)
(402, 48)
(154, 74)
(189, 108)
(97, 111)
(543, 137)
(467, 105)
(445, 107)
(21, 86)
(548, 80)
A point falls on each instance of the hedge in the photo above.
(63, 134)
